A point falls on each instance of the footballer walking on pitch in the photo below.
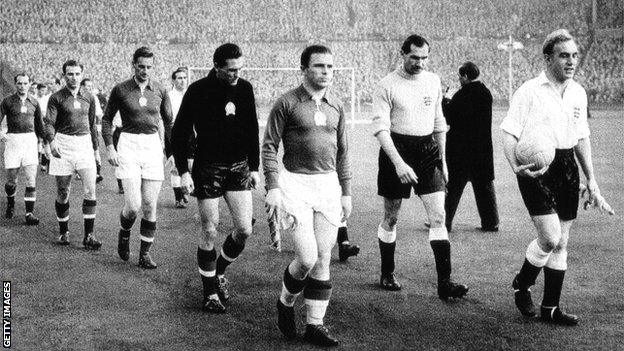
(221, 108)
(71, 133)
(555, 106)
(142, 103)
(179, 77)
(312, 194)
(409, 125)
(24, 127)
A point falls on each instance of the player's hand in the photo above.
(54, 149)
(113, 158)
(46, 151)
(600, 203)
(186, 183)
(525, 171)
(345, 202)
(273, 202)
(98, 159)
(405, 173)
(254, 177)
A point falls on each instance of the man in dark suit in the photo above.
(469, 147)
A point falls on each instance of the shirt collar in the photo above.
(542, 79)
(403, 74)
(68, 92)
(149, 85)
(302, 95)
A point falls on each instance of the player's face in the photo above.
(89, 86)
(42, 91)
(415, 61)
(143, 68)
(181, 81)
(562, 62)
(22, 85)
(320, 71)
(73, 76)
(230, 72)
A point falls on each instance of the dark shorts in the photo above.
(557, 191)
(212, 180)
(422, 154)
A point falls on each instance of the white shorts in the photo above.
(76, 153)
(20, 149)
(304, 194)
(140, 156)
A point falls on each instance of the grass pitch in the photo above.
(66, 298)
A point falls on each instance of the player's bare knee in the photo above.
(548, 244)
(391, 220)
(306, 263)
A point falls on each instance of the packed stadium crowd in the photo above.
(36, 37)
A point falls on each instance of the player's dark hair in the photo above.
(179, 70)
(226, 52)
(41, 86)
(470, 70)
(71, 63)
(57, 81)
(554, 38)
(143, 51)
(415, 40)
(310, 50)
(84, 81)
(21, 74)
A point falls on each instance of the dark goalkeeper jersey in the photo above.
(224, 118)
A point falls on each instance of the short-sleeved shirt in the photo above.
(23, 116)
(310, 146)
(137, 117)
(71, 115)
(408, 104)
(537, 106)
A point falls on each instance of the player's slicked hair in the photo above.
(554, 38)
(179, 70)
(310, 50)
(143, 51)
(72, 63)
(21, 74)
(415, 40)
(470, 70)
(226, 52)
(84, 81)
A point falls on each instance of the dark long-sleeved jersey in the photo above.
(22, 116)
(225, 120)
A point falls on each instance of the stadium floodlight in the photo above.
(288, 78)
(510, 46)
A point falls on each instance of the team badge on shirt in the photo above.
(427, 100)
(76, 105)
(230, 109)
(23, 109)
(577, 112)
(320, 120)
(142, 101)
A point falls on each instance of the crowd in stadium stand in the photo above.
(39, 36)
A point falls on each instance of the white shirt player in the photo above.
(408, 104)
(176, 100)
(537, 105)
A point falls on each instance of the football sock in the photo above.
(291, 288)
(229, 253)
(30, 196)
(88, 215)
(553, 283)
(177, 192)
(147, 230)
(536, 258)
(206, 262)
(442, 254)
(343, 237)
(316, 294)
(62, 216)
(10, 194)
(387, 245)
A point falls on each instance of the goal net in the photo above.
(271, 83)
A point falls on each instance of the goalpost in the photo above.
(269, 83)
